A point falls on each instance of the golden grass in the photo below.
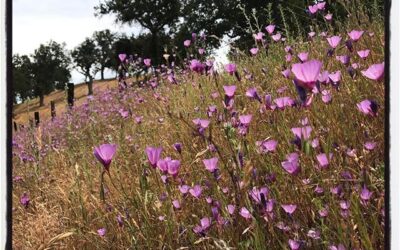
(23, 112)
(66, 210)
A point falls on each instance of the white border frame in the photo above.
(394, 125)
(3, 127)
(394, 120)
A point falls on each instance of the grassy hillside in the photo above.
(292, 175)
(24, 111)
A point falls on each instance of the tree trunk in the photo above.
(90, 86)
(102, 73)
(41, 100)
(154, 45)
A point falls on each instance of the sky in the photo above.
(70, 21)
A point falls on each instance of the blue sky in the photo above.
(70, 21)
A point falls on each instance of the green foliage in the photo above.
(22, 78)
(104, 41)
(50, 69)
(155, 16)
(86, 61)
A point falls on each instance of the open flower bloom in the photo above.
(153, 155)
(187, 43)
(202, 123)
(328, 17)
(197, 66)
(334, 41)
(101, 232)
(230, 208)
(291, 165)
(123, 113)
(321, 5)
(294, 244)
(122, 57)
(176, 204)
(324, 160)
(205, 224)
(276, 37)
(306, 74)
(259, 195)
(254, 51)
(184, 189)
(323, 77)
(230, 68)
(24, 200)
(259, 36)
(284, 102)
(162, 164)
(375, 71)
(211, 164)
(289, 208)
(335, 77)
(343, 59)
(355, 35)
(268, 102)
(252, 93)
(266, 146)
(211, 110)
(363, 53)
(196, 191)
(230, 90)
(370, 145)
(245, 213)
(245, 119)
(270, 29)
(302, 133)
(365, 194)
(286, 73)
(326, 96)
(104, 153)
(313, 9)
(303, 56)
(147, 62)
(368, 107)
(173, 167)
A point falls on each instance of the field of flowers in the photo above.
(283, 148)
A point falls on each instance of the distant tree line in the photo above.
(167, 24)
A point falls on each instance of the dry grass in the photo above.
(63, 179)
(24, 112)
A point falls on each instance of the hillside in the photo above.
(24, 111)
(282, 147)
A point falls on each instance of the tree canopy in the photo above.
(22, 75)
(104, 42)
(50, 69)
(85, 57)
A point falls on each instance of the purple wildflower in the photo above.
(153, 155)
(104, 153)
(291, 165)
(211, 164)
(289, 208)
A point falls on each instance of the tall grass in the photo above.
(63, 178)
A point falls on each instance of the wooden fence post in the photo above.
(15, 127)
(37, 119)
(53, 110)
(71, 87)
